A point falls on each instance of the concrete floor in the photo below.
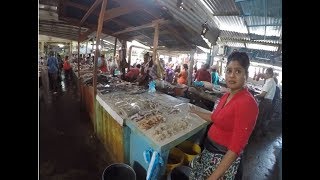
(70, 151)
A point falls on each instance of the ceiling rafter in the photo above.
(122, 10)
(90, 10)
(69, 37)
(144, 26)
(171, 29)
(110, 13)
(89, 26)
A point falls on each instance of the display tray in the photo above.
(159, 117)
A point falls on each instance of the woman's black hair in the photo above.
(270, 71)
(242, 58)
(185, 66)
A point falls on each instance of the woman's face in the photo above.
(235, 75)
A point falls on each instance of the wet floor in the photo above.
(261, 159)
(68, 148)
(70, 151)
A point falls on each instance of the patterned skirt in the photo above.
(203, 165)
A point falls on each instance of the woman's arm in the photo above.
(204, 115)
(224, 165)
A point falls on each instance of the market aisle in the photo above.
(261, 160)
(68, 149)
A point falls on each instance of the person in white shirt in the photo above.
(265, 106)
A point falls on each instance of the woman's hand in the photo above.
(192, 109)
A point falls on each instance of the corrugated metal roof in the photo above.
(235, 35)
(182, 16)
(261, 47)
(267, 31)
(137, 18)
(232, 44)
(257, 7)
(268, 26)
(185, 37)
(261, 21)
(266, 39)
(269, 41)
(222, 6)
(231, 23)
(193, 15)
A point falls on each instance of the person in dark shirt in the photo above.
(133, 73)
(203, 74)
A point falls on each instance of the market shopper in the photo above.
(53, 69)
(60, 66)
(133, 73)
(233, 121)
(214, 76)
(169, 73)
(265, 105)
(203, 74)
(103, 66)
(67, 68)
(183, 75)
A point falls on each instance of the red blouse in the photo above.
(233, 124)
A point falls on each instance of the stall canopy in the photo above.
(229, 22)
(130, 20)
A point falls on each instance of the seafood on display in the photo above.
(151, 121)
(166, 130)
(144, 114)
(174, 110)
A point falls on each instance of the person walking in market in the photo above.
(67, 68)
(53, 69)
(60, 67)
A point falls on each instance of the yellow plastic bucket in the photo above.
(190, 150)
(176, 158)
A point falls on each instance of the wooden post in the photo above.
(115, 48)
(155, 42)
(86, 47)
(42, 48)
(221, 68)
(191, 67)
(78, 82)
(79, 54)
(123, 61)
(97, 53)
(70, 54)
(155, 47)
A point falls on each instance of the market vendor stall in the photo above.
(202, 97)
(131, 121)
(86, 90)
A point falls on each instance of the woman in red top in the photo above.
(103, 66)
(67, 68)
(183, 75)
(233, 122)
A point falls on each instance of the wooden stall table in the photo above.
(111, 130)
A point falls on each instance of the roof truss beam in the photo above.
(149, 25)
(91, 9)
